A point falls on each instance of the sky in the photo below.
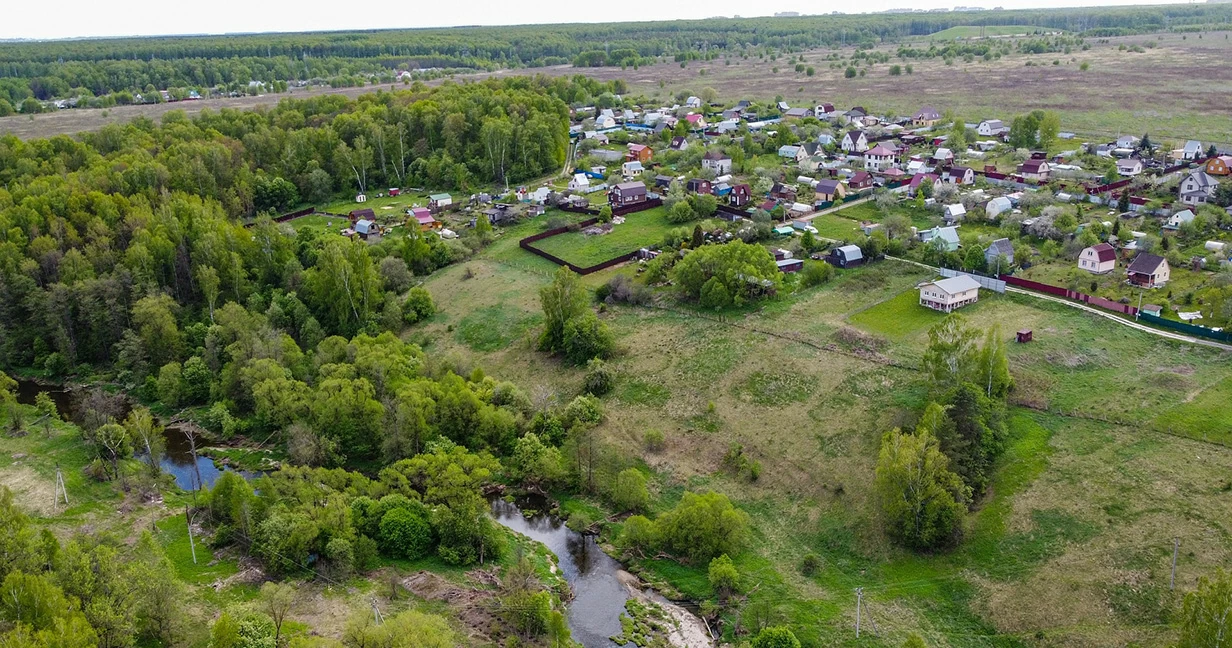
(95, 18)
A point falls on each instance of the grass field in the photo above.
(639, 230)
(1073, 542)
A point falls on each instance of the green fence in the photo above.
(1190, 329)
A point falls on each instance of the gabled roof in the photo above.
(1203, 179)
(957, 284)
(1033, 166)
(1002, 246)
(855, 135)
(927, 113)
(861, 176)
(851, 252)
(959, 171)
(716, 155)
(1146, 263)
(882, 150)
(827, 186)
(1104, 252)
(1129, 163)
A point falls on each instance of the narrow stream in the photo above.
(598, 595)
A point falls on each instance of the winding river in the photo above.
(598, 580)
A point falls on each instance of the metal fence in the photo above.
(993, 284)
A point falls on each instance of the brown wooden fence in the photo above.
(1106, 304)
(528, 245)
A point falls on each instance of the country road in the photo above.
(1179, 337)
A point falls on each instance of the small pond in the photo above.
(177, 460)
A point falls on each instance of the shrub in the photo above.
(723, 576)
(599, 378)
(418, 305)
(810, 565)
(816, 273)
(654, 440)
(585, 337)
(776, 637)
(638, 534)
(583, 409)
(703, 526)
(405, 534)
(629, 491)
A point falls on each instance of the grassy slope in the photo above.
(1074, 539)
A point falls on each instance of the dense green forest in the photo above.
(47, 70)
(139, 229)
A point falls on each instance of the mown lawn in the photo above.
(898, 317)
(639, 230)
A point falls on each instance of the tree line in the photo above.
(43, 69)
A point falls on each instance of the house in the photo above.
(630, 169)
(991, 128)
(798, 113)
(693, 102)
(783, 107)
(854, 142)
(824, 111)
(948, 294)
(996, 206)
(959, 175)
(780, 254)
(826, 139)
(740, 195)
(943, 156)
(927, 116)
(423, 218)
(1148, 271)
(437, 202)
(639, 153)
(1180, 218)
(695, 121)
(880, 158)
(955, 212)
(1129, 167)
(1220, 166)
(1198, 188)
(366, 228)
(847, 256)
(919, 179)
(604, 122)
(1098, 259)
(861, 180)
(663, 181)
(784, 192)
(793, 153)
(1192, 150)
(1127, 142)
(790, 265)
(1036, 170)
(627, 193)
(717, 161)
(679, 143)
(362, 214)
(855, 116)
(999, 254)
(499, 214)
(698, 186)
(829, 191)
(579, 183)
(944, 237)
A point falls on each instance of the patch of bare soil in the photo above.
(1183, 370)
(473, 607)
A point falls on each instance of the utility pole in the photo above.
(61, 491)
(1176, 547)
(376, 612)
(859, 604)
(191, 543)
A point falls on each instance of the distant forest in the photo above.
(95, 68)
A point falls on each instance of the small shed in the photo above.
(847, 256)
(361, 198)
(394, 191)
(1024, 336)
(790, 265)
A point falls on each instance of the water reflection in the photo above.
(598, 596)
(177, 459)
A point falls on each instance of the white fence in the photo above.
(995, 285)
